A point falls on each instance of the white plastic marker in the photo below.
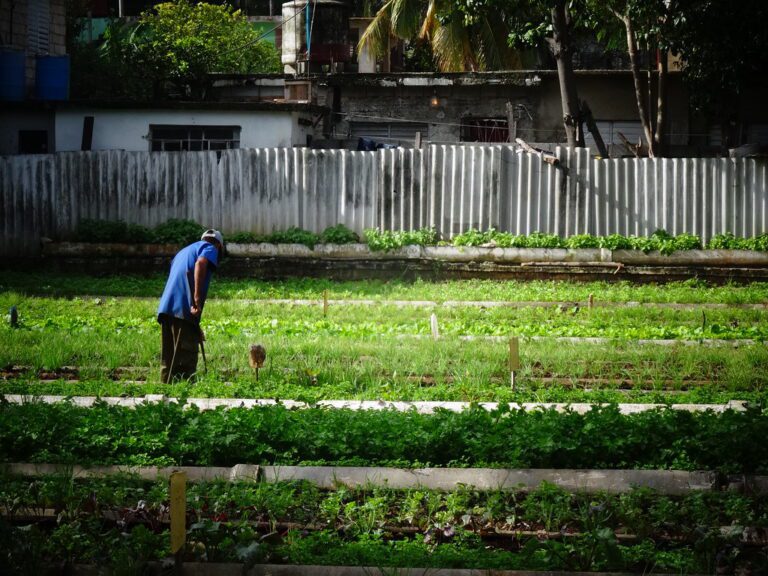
(433, 324)
(514, 359)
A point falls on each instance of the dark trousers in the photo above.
(181, 339)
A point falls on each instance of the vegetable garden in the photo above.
(696, 352)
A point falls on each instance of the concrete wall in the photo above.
(128, 129)
(609, 94)
(452, 188)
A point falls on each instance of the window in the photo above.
(484, 130)
(38, 26)
(168, 137)
(388, 132)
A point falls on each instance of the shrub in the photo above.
(294, 235)
(378, 240)
(245, 238)
(178, 232)
(112, 231)
(582, 241)
(338, 234)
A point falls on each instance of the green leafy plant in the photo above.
(338, 234)
(112, 231)
(176, 231)
(245, 238)
(294, 236)
(378, 240)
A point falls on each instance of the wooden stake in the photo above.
(178, 497)
(591, 301)
(433, 325)
(325, 303)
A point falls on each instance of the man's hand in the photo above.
(195, 309)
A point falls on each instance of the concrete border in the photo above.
(233, 569)
(671, 482)
(451, 254)
(422, 407)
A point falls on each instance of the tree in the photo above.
(722, 45)
(457, 43)
(483, 35)
(178, 44)
(553, 22)
(648, 23)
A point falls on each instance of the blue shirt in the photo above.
(177, 296)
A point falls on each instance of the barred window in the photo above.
(484, 130)
(170, 137)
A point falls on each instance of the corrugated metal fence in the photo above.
(453, 188)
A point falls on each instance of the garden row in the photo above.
(168, 434)
(124, 520)
(688, 292)
(110, 346)
(185, 231)
(361, 322)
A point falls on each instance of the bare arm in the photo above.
(201, 269)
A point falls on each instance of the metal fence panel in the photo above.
(453, 188)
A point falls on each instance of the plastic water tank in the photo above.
(12, 75)
(52, 78)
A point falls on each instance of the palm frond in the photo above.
(376, 35)
(491, 45)
(452, 47)
(406, 15)
(430, 21)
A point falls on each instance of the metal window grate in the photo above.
(38, 26)
(388, 131)
(176, 138)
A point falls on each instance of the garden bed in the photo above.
(165, 434)
(451, 254)
(357, 261)
(293, 526)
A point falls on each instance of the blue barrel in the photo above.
(52, 78)
(12, 75)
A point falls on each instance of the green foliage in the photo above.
(172, 435)
(387, 240)
(339, 234)
(245, 238)
(176, 231)
(583, 241)
(714, 76)
(294, 235)
(728, 241)
(172, 49)
(359, 526)
(110, 231)
(185, 231)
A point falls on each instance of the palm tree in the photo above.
(457, 45)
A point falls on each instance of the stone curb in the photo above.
(422, 407)
(670, 482)
(457, 254)
(232, 569)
